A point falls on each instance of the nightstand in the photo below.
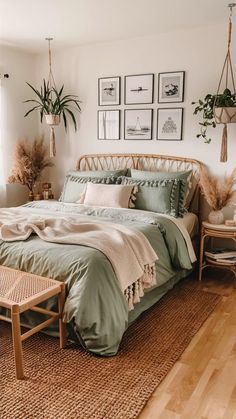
(215, 231)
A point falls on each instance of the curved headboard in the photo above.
(152, 162)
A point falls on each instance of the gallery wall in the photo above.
(199, 52)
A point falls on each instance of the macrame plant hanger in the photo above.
(224, 115)
(51, 119)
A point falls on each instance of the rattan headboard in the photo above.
(153, 162)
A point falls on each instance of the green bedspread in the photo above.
(95, 306)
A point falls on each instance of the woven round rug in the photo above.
(70, 383)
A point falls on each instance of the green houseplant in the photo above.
(53, 104)
(215, 109)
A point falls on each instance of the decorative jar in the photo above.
(216, 217)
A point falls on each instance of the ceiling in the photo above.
(26, 23)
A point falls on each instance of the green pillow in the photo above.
(156, 195)
(74, 186)
(98, 173)
(184, 187)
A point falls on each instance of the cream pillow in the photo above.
(103, 195)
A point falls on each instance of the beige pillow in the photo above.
(103, 195)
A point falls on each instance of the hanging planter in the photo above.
(225, 115)
(53, 120)
(51, 103)
(221, 107)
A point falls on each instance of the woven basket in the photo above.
(225, 115)
(52, 119)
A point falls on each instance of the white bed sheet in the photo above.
(190, 221)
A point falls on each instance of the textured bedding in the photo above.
(96, 309)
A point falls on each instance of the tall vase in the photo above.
(216, 217)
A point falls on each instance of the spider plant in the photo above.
(51, 101)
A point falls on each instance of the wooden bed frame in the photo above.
(152, 162)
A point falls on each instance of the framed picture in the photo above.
(109, 125)
(109, 91)
(169, 124)
(138, 124)
(139, 89)
(171, 87)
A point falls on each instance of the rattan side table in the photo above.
(21, 291)
(218, 231)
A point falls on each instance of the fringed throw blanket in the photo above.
(131, 255)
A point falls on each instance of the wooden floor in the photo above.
(202, 384)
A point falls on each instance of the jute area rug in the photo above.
(70, 383)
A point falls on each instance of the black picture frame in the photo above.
(136, 115)
(139, 95)
(173, 91)
(101, 131)
(107, 87)
(170, 136)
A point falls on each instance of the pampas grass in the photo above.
(30, 160)
(218, 193)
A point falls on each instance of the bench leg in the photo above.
(62, 325)
(17, 343)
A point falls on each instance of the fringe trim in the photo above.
(182, 197)
(133, 197)
(136, 291)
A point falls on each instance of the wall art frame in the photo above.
(170, 124)
(139, 89)
(109, 91)
(108, 124)
(171, 86)
(138, 124)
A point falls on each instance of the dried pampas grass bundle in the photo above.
(218, 193)
(30, 160)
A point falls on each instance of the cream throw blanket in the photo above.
(130, 253)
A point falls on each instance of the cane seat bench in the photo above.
(21, 291)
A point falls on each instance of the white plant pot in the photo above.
(216, 217)
(225, 115)
(52, 119)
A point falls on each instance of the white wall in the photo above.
(200, 52)
(21, 68)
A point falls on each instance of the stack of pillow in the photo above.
(161, 192)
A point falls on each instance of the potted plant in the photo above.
(53, 104)
(218, 193)
(30, 161)
(215, 109)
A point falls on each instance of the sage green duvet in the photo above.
(95, 308)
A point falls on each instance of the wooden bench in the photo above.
(21, 291)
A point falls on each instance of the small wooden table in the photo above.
(216, 231)
(21, 291)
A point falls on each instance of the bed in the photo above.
(96, 309)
